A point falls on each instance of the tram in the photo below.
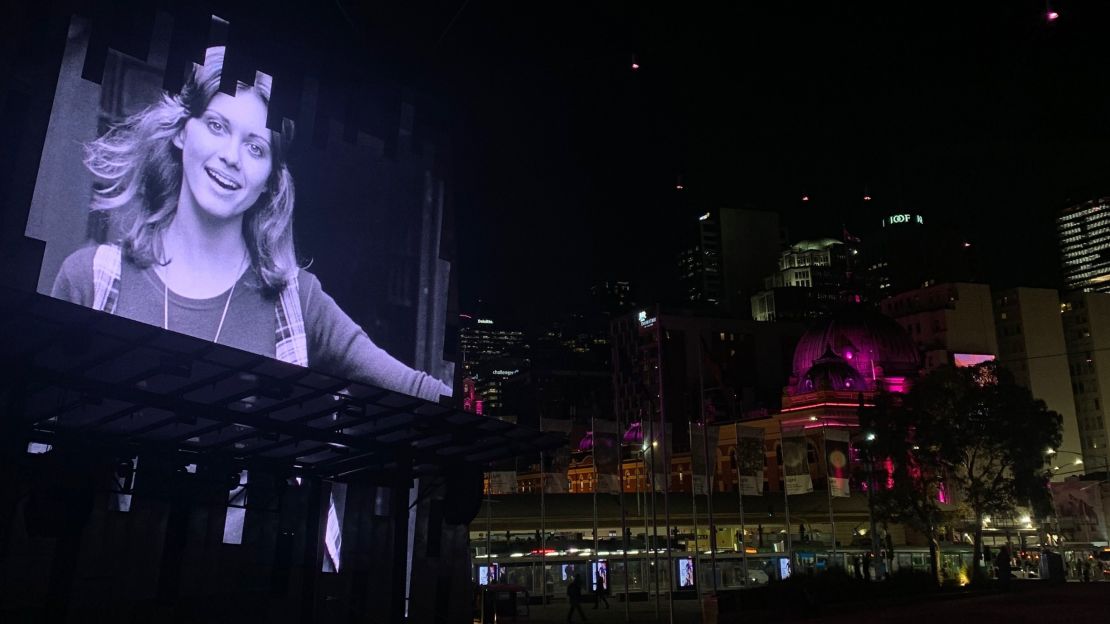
(648, 571)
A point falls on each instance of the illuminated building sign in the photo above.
(505, 373)
(899, 219)
(645, 321)
(483, 321)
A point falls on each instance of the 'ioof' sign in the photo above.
(903, 218)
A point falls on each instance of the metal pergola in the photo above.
(75, 372)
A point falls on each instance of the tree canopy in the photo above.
(972, 432)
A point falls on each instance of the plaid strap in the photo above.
(106, 271)
(291, 345)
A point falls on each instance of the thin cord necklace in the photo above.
(227, 304)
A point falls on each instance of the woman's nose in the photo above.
(229, 152)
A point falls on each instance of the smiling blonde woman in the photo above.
(204, 198)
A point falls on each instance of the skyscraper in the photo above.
(1086, 318)
(732, 250)
(1083, 231)
(813, 278)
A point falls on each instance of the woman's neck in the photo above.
(203, 258)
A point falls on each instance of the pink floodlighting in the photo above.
(866, 198)
(967, 360)
(1052, 16)
(805, 197)
(786, 410)
(966, 245)
(678, 187)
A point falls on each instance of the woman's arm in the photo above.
(337, 345)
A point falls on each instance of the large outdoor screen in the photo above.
(187, 189)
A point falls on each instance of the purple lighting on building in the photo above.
(634, 435)
(1052, 16)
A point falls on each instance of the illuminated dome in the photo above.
(831, 372)
(872, 344)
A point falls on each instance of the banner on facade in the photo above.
(749, 460)
(703, 456)
(607, 455)
(502, 482)
(1079, 510)
(657, 449)
(836, 460)
(795, 463)
(555, 463)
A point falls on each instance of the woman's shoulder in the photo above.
(81, 258)
(74, 281)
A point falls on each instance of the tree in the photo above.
(911, 435)
(1003, 432)
(971, 429)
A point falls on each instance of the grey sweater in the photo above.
(336, 344)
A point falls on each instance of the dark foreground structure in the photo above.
(155, 477)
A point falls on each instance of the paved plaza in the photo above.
(1030, 601)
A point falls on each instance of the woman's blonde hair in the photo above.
(141, 171)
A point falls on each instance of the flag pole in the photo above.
(694, 510)
(740, 500)
(543, 529)
(828, 486)
(597, 482)
(654, 516)
(786, 496)
(666, 468)
(710, 475)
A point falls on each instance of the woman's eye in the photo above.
(255, 150)
(215, 126)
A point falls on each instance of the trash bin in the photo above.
(709, 613)
(499, 602)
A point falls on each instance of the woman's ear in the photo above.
(179, 138)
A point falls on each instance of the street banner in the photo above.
(836, 459)
(749, 460)
(795, 463)
(606, 450)
(659, 455)
(555, 463)
(1079, 510)
(703, 456)
(502, 482)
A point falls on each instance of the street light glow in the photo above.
(870, 437)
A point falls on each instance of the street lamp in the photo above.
(1057, 465)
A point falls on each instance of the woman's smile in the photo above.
(223, 180)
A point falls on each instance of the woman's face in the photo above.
(226, 155)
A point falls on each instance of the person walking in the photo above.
(574, 594)
(602, 593)
(1003, 566)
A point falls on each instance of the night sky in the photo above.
(566, 159)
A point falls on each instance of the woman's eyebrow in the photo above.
(264, 139)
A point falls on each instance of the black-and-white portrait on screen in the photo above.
(193, 211)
